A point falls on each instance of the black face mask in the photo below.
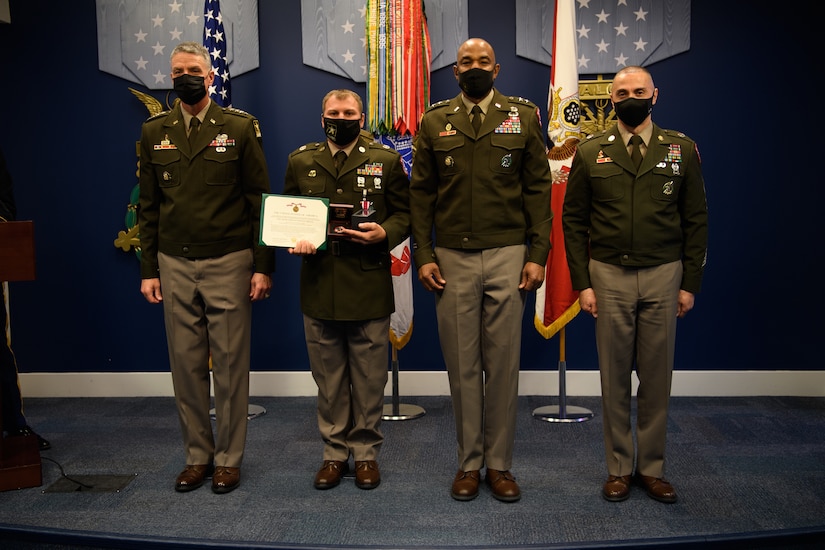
(341, 131)
(190, 89)
(633, 111)
(476, 83)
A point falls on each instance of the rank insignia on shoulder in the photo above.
(306, 147)
(236, 111)
(520, 100)
(257, 127)
(442, 103)
(159, 115)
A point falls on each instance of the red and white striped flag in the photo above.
(556, 301)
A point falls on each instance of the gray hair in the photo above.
(193, 48)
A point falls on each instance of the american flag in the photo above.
(214, 39)
(150, 29)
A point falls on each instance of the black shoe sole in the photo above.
(222, 490)
(506, 499)
(368, 486)
(663, 500)
(187, 488)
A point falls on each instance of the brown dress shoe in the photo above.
(465, 485)
(616, 488)
(192, 477)
(330, 474)
(225, 479)
(503, 485)
(367, 475)
(657, 488)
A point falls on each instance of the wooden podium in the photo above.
(20, 465)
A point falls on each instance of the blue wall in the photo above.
(741, 92)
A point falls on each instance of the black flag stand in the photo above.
(394, 410)
(254, 411)
(562, 412)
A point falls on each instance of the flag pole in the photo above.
(396, 410)
(561, 412)
(214, 40)
(398, 91)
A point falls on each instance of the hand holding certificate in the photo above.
(287, 219)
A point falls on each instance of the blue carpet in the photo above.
(750, 473)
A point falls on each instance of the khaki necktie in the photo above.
(636, 152)
(476, 112)
(194, 125)
(338, 159)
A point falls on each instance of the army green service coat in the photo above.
(619, 217)
(357, 284)
(481, 192)
(204, 202)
